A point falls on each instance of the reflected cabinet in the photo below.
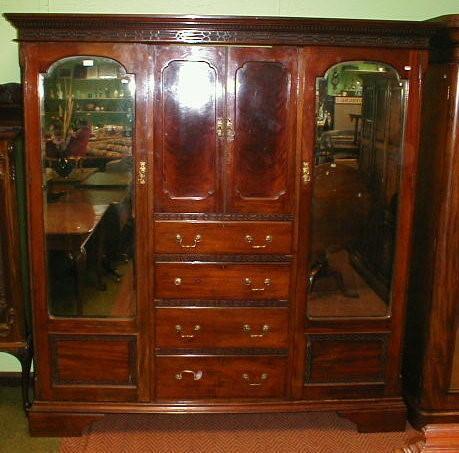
(221, 213)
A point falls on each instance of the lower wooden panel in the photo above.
(94, 367)
(201, 377)
(346, 358)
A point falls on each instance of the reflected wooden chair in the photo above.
(341, 204)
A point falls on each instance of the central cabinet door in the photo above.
(260, 129)
(225, 129)
(188, 128)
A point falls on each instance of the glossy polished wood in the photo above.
(189, 102)
(261, 90)
(223, 237)
(222, 281)
(242, 177)
(221, 328)
(183, 378)
(44, 387)
(431, 351)
(14, 324)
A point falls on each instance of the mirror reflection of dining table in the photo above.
(74, 216)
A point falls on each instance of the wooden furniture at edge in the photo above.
(431, 341)
(14, 332)
(223, 201)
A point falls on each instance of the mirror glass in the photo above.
(87, 120)
(356, 179)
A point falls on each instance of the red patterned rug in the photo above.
(233, 433)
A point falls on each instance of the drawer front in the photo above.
(222, 281)
(221, 328)
(187, 378)
(223, 237)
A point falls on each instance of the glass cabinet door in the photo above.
(87, 119)
(358, 155)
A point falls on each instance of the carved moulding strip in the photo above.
(223, 217)
(359, 338)
(221, 352)
(219, 303)
(223, 258)
(248, 30)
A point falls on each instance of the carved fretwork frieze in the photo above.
(232, 30)
(219, 303)
(221, 351)
(223, 258)
(223, 217)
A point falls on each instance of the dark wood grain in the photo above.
(188, 102)
(223, 29)
(95, 360)
(221, 328)
(223, 237)
(14, 322)
(220, 377)
(345, 358)
(135, 63)
(261, 91)
(200, 177)
(431, 352)
(225, 281)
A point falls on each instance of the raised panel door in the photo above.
(260, 129)
(187, 131)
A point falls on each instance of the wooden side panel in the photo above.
(11, 291)
(94, 367)
(187, 108)
(94, 360)
(345, 358)
(261, 136)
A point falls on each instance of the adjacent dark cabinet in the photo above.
(200, 253)
(431, 372)
(14, 325)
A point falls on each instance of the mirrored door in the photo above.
(87, 130)
(360, 109)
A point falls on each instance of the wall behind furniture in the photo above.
(357, 9)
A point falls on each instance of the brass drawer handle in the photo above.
(196, 241)
(142, 172)
(250, 240)
(229, 130)
(179, 330)
(306, 173)
(197, 375)
(263, 377)
(267, 282)
(247, 329)
(220, 127)
(177, 281)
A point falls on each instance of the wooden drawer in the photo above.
(223, 237)
(221, 327)
(222, 281)
(202, 377)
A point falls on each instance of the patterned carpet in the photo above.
(234, 433)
